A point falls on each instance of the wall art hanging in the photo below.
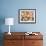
(26, 16)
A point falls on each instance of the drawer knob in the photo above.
(33, 42)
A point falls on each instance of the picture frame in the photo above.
(26, 16)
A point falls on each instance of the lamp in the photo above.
(9, 21)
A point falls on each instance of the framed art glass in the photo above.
(27, 16)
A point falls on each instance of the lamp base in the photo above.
(9, 33)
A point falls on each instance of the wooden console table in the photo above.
(20, 39)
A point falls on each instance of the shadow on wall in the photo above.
(2, 21)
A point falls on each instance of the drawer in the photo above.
(37, 43)
(9, 43)
(33, 43)
(13, 43)
(17, 37)
(33, 37)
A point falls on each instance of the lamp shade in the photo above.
(9, 21)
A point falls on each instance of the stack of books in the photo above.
(30, 33)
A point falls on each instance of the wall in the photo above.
(9, 8)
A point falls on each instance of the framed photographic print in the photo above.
(27, 16)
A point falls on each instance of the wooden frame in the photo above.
(26, 16)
